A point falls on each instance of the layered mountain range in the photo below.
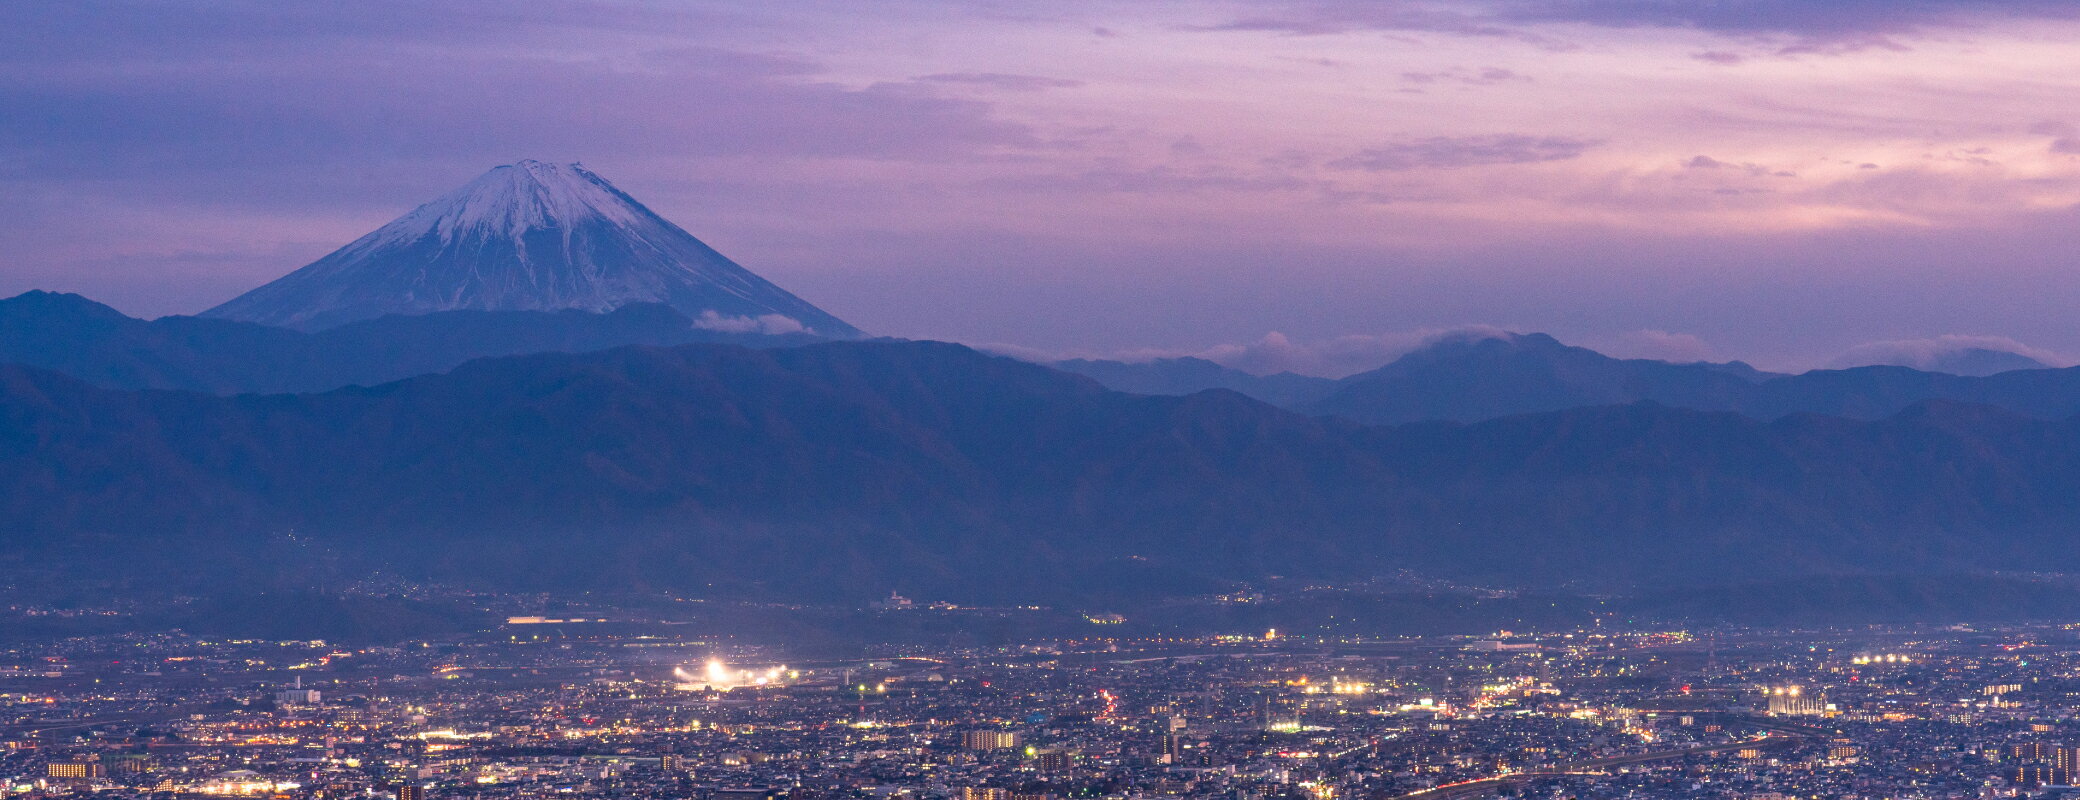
(847, 469)
(1461, 379)
(1476, 377)
(537, 383)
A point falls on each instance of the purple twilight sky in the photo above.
(1305, 184)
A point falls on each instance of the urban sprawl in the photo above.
(546, 707)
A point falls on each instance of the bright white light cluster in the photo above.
(718, 676)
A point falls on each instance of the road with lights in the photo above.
(1591, 767)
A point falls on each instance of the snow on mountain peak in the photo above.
(515, 198)
(532, 235)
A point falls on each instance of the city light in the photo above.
(246, 787)
(718, 676)
(1430, 722)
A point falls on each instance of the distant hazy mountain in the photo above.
(1468, 378)
(529, 237)
(1188, 375)
(1981, 361)
(846, 469)
(1473, 378)
(1465, 378)
(90, 341)
(1975, 361)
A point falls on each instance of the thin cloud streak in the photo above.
(1452, 152)
(1275, 352)
(1932, 352)
(1813, 21)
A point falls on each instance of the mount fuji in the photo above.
(531, 236)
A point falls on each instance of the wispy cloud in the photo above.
(999, 80)
(1944, 352)
(1450, 152)
(1274, 352)
(1811, 21)
(768, 324)
(1485, 76)
(1659, 345)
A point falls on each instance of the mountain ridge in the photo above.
(529, 236)
(1479, 377)
(1189, 374)
(79, 337)
(87, 340)
(862, 466)
(1472, 378)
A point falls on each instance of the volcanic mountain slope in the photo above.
(848, 469)
(530, 236)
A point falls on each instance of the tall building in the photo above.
(984, 793)
(2027, 752)
(989, 740)
(411, 791)
(298, 696)
(1274, 714)
(84, 769)
(1171, 750)
(2038, 775)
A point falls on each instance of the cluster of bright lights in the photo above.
(1790, 691)
(1426, 704)
(1889, 658)
(450, 733)
(718, 676)
(247, 787)
(1493, 694)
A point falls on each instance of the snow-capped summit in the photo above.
(529, 236)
